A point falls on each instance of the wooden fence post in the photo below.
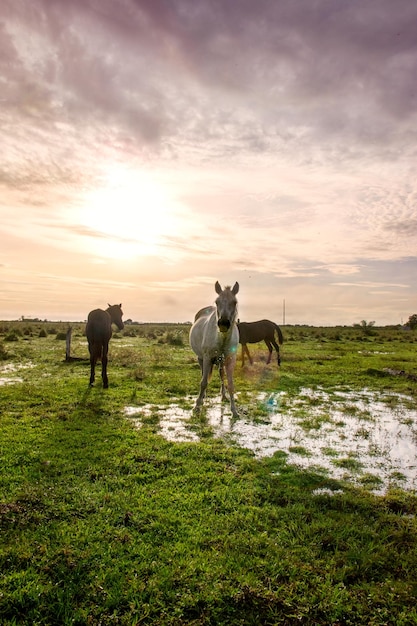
(68, 344)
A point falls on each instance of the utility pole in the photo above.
(283, 312)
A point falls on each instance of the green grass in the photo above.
(102, 523)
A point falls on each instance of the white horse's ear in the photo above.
(235, 288)
(217, 287)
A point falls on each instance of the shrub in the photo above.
(412, 322)
(3, 352)
(130, 332)
(173, 339)
(13, 335)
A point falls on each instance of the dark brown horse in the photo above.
(263, 330)
(99, 332)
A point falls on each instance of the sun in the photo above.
(130, 215)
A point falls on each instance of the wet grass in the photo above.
(105, 523)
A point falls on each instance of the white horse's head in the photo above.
(226, 305)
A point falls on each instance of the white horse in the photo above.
(214, 337)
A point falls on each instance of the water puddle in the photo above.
(4, 380)
(366, 438)
(12, 368)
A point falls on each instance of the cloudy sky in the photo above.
(152, 147)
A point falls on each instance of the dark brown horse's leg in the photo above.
(93, 360)
(276, 346)
(249, 356)
(92, 370)
(246, 349)
(268, 343)
(104, 366)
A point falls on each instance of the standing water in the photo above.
(366, 438)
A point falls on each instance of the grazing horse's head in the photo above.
(226, 305)
(116, 313)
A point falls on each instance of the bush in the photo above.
(130, 332)
(412, 322)
(173, 338)
(3, 352)
(13, 335)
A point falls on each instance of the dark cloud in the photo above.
(31, 175)
(202, 71)
(290, 124)
(407, 228)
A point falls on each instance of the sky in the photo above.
(150, 148)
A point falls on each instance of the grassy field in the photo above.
(103, 522)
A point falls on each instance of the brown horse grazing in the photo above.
(263, 330)
(99, 332)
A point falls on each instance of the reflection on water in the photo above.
(4, 380)
(11, 368)
(367, 438)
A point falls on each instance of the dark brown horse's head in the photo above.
(226, 304)
(116, 314)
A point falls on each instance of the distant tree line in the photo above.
(412, 322)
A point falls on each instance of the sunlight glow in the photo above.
(129, 216)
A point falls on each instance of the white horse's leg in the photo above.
(206, 367)
(230, 366)
(223, 387)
